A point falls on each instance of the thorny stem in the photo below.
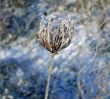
(49, 75)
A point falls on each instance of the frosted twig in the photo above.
(106, 96)
(97, 47)
(82, 6)
(102, 67)
(79, 86)
(104, 9)
(49, 76)
(106, 19)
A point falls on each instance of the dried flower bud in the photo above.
(55, 34)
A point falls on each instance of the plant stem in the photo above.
(49, 75)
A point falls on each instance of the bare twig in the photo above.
(106, 19)
(49, 76)
(79, 85)
(104, 8)
(102, 67)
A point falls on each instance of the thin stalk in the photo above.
(49, 76)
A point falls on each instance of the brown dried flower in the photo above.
(55, 34)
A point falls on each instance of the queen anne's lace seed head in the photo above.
(55, 34)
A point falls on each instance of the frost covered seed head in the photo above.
(55, 34)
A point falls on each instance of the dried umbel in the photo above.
(55, 34)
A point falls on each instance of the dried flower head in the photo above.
(55, 33)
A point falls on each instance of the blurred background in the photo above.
(81, 71)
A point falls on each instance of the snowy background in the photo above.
(81, 71)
